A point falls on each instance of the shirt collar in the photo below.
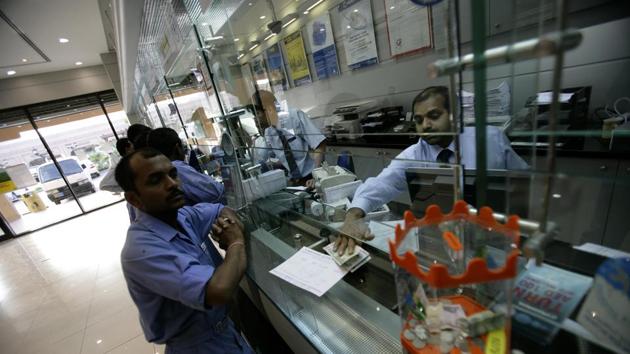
(434, 150)
(163, 230)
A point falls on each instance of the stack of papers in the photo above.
(310, 270)
(352, 261)
(498, 101)
(316, 272)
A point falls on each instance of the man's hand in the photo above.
(353, 231)
(227, 231)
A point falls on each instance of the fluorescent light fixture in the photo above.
(214, 38)
(262, 17)
(254, 45)
(240, 56)
(64, 40)
(356, 10)
(78, 63)
(290, 21)
(269, 36)
(204, 24)
(306, 12)
(393, 7)
(236, 39)
(24, 60)
(315, 4)
(11, 72)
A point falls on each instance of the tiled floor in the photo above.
(62, 290)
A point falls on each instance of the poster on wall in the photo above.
(358, 27)
(408, 27)
(275, 64)
(322, 43)
(259, 70)
(296, 58)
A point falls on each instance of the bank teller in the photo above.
(431, 113)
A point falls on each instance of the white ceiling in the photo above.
(44, 22)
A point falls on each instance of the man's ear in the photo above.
(132, 198)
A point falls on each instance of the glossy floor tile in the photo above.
(62, 290)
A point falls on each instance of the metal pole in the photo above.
(52, 156)
(207, 63)
(479, 46)
(157, 109)
(553, 119)
(111, 125)
(176, 109)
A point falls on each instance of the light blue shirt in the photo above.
(198, 187)
(302, 136)
(392, 181)
(167, 272)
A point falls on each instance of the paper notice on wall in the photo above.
(408, 26)
(358, 27)
(322, 43)
(296, 58)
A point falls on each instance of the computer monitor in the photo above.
(507, 191)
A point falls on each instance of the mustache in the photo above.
(176, 193)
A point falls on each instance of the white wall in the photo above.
(601, 61)
(24, 90)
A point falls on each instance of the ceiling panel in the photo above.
(44, 22)
(11, 59)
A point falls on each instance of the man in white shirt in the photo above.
(290, 136)
(431, 114)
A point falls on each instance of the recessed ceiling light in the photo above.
(11, 72)
(64, 40)
(78, 63)
(250, 4)
(263, 17)
(393, 7)
(236, 39)
(204, 24)
(24, 60)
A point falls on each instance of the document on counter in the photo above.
(310, 270)
(602, 250)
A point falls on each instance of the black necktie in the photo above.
(288, 153)
(444, 156)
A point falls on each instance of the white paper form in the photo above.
(310, 270)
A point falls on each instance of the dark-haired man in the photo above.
(431, 113)
(175, 275)
(198, 187)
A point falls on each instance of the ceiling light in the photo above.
(240, 56)
(24, 60)
(204, 24)
(254, 45)
(269, 36)
(250, 4)
(236, 39)
(78, 63)
(290, 19)
(356, 10)
(262, 17)
(393, 7)
(64, 40)
(306, 12)
(315, 4)
(11, 72)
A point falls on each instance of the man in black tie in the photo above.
(290, 136)
(431, 113)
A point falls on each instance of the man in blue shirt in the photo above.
(198, 187)
(431, 115)
(175, 275)
(290, 136)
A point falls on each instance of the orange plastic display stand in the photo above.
(477, 270)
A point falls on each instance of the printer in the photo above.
(349, 126)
